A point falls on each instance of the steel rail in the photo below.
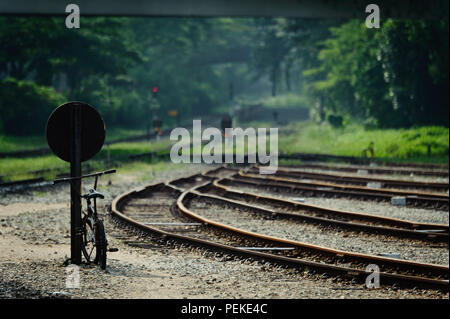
(370, 217)
(344, 191)
(392, 192)
(206, 175)
(357, 180)
(399, 232)
(438, 270)
(347, 272)
(389, 225)
(341, 253)
(389, 221)
(361, 160)
(377, 170)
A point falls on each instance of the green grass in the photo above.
(401, 144)
(118, 133)
(17, 168)
(23, 143)
(393, 144)
(133, 148)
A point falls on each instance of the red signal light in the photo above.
(155, 89)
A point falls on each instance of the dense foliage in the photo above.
(26, 106)
(395, 76)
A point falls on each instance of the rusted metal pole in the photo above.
(75, 187)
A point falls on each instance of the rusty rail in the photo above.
(438, 272)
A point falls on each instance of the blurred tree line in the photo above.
(113, 64)
(395, 76)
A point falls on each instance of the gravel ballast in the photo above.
(418, 215)
(34, 243)
(425, 252)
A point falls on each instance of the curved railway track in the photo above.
(391, 192)
(363, 181)
(361, 161)
(288, 209)
(440, 172)
(412, 198)
(163, 211)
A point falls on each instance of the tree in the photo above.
(273, 47)
(387, 78)
(40, 48)
(415, 64)
(25, 106)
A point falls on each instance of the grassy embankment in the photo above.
(22, 143)
(16, 168)
(391, 144)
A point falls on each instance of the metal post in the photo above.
(75, 187)
(108, 163)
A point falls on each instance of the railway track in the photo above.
(391, 192)
(288, 209)
(377, 170)
(295, 210)
(361, 161)
(363, 181)
(310, 188)
(163, 211)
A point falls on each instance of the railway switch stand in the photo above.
(226, 123)
(157, 123)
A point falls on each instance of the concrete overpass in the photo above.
(232, 8)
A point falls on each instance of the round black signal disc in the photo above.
(59, 131)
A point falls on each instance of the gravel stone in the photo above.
(36, 241)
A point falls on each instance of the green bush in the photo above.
(353, 138)
(26, 106)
